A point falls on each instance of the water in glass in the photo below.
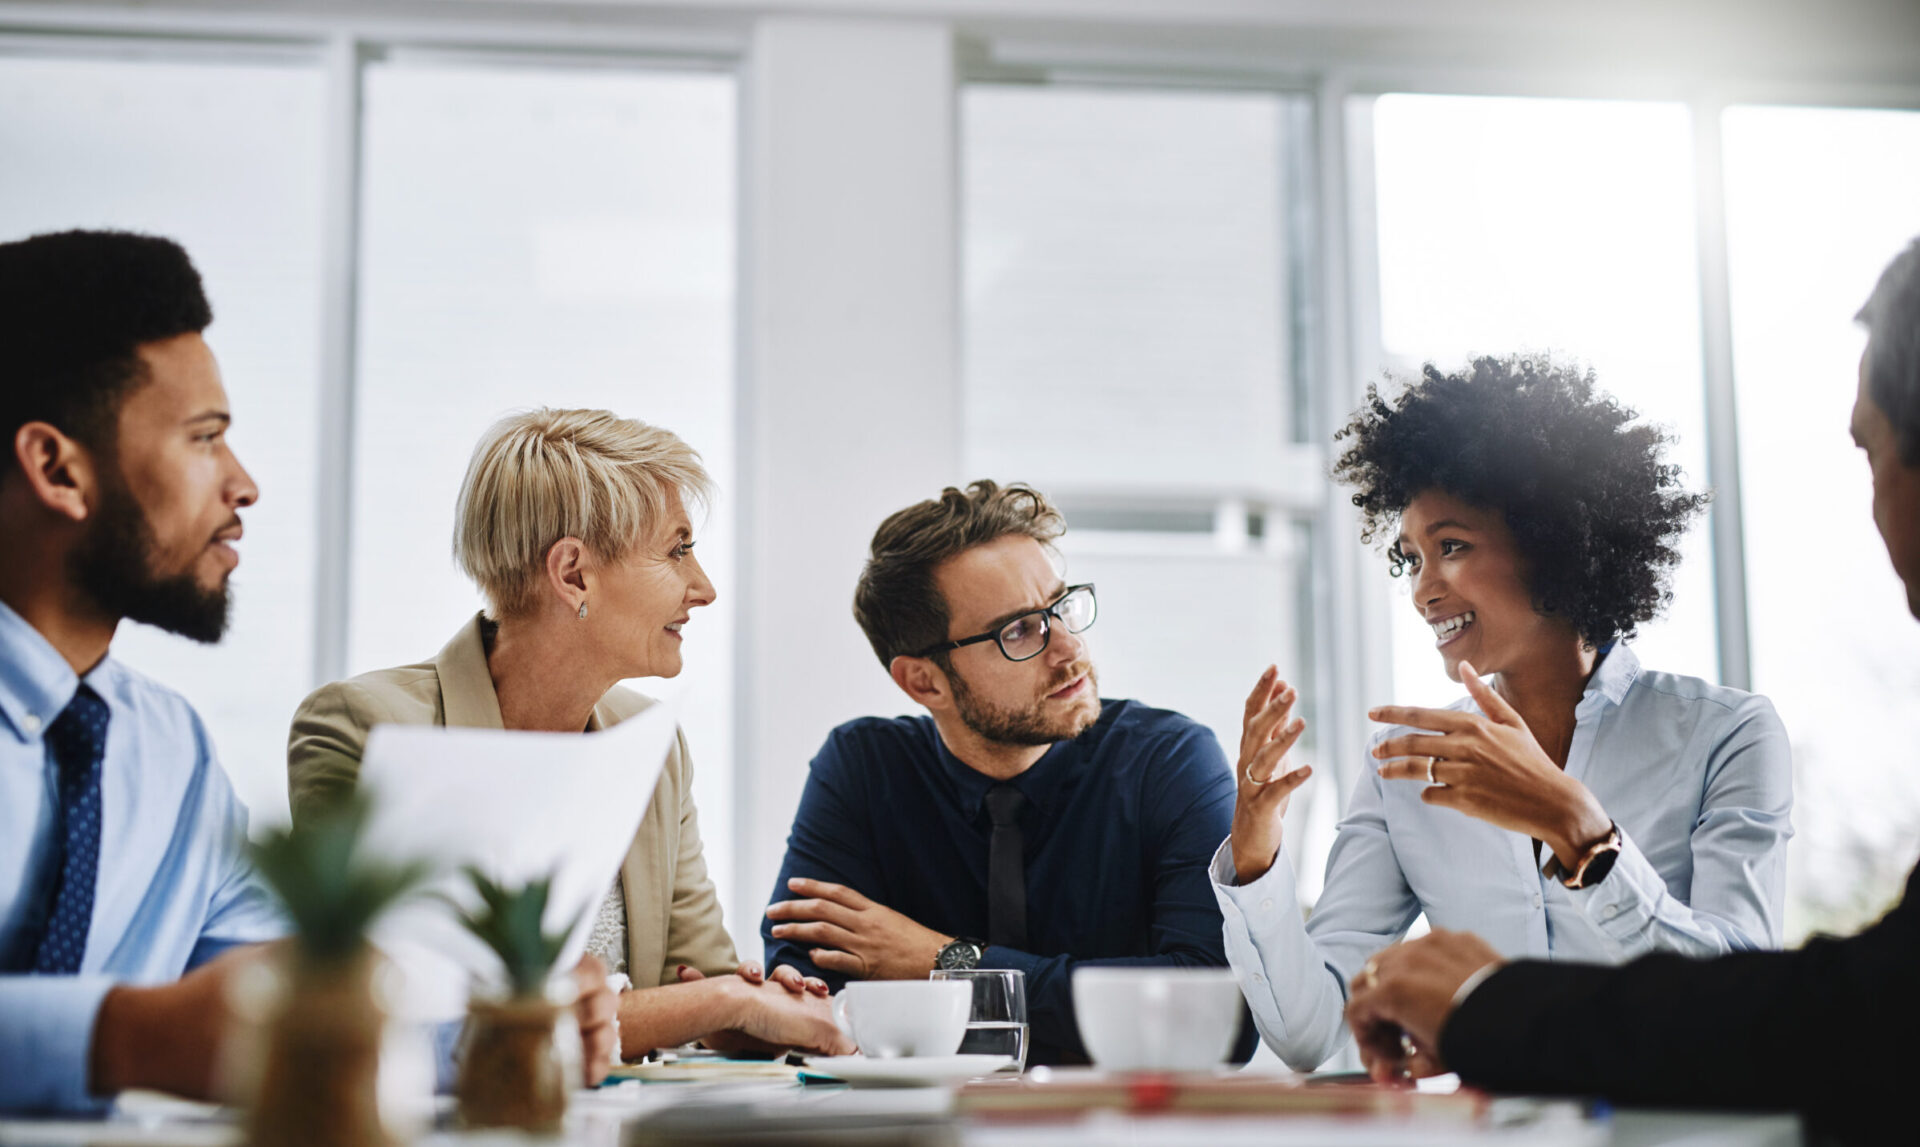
(997, 1025)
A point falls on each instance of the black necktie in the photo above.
(1006, 869)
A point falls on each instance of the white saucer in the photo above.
(906, 1070)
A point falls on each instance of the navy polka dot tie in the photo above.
(78, 737)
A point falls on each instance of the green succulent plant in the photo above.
(508, 921)
(332, 895)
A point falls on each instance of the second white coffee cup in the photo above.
(1157, 1018)
(891, 1018)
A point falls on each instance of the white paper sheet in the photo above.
(516, 805)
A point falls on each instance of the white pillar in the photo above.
(850, 383)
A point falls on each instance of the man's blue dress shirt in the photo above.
(174, 887)
(1120, 824)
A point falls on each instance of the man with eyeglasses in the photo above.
(1023, 822)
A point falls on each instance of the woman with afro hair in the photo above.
(1574, 805)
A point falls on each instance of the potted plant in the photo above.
(319, 1084)
(512, 1072)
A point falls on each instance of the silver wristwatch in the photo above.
(961, 952)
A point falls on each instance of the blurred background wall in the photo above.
(1146, 254)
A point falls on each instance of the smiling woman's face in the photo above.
(643, 599)
(1469, 583)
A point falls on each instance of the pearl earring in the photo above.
(583, 611)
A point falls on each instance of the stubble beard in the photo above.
(114, 564)
(1030, 725)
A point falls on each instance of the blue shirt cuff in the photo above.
(46, 1041)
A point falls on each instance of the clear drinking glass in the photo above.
(997, 1025)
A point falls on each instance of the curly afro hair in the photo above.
(1596, 513)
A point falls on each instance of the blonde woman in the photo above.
(575, 526)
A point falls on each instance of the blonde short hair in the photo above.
(543, 475)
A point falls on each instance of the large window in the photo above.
(1126, 288)
(541, 237)
(530, 235)
(1130, 298)
(1167, 304)
(1561, 226)
(225, 157)
(1818, 201)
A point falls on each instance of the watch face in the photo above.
(1598, 867)
(959, 955)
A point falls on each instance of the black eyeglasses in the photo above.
(1026, 636)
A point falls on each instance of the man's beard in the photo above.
(1030, 725)
(114, 565)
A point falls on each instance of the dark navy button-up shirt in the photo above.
(1119, 825)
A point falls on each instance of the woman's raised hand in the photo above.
(1268, 731)
(1489, 765)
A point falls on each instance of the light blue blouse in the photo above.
(1699, 779)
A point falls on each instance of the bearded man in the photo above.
(127, 903)
(1023, 823)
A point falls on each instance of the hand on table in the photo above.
(1402, 997)
(1260, 803)
(167, 1037)
(597, 1007)
(786, 975)
(775, 1017)
(1488, 765)
(854, 936)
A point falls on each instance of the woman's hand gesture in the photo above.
(1488, 765)
(1266, 734)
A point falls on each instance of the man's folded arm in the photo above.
(829, 842)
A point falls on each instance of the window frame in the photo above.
(1335, 289)
(343, 49)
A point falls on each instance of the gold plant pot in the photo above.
(320, 1083)
(512, 1072)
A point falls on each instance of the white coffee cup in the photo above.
(1157, 1019)
(889, 1018)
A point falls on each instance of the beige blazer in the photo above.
(673, 912)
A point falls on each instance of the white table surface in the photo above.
(599, 1118)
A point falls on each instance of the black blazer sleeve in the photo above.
(1831, 1030)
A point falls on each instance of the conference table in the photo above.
(635, 1114)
